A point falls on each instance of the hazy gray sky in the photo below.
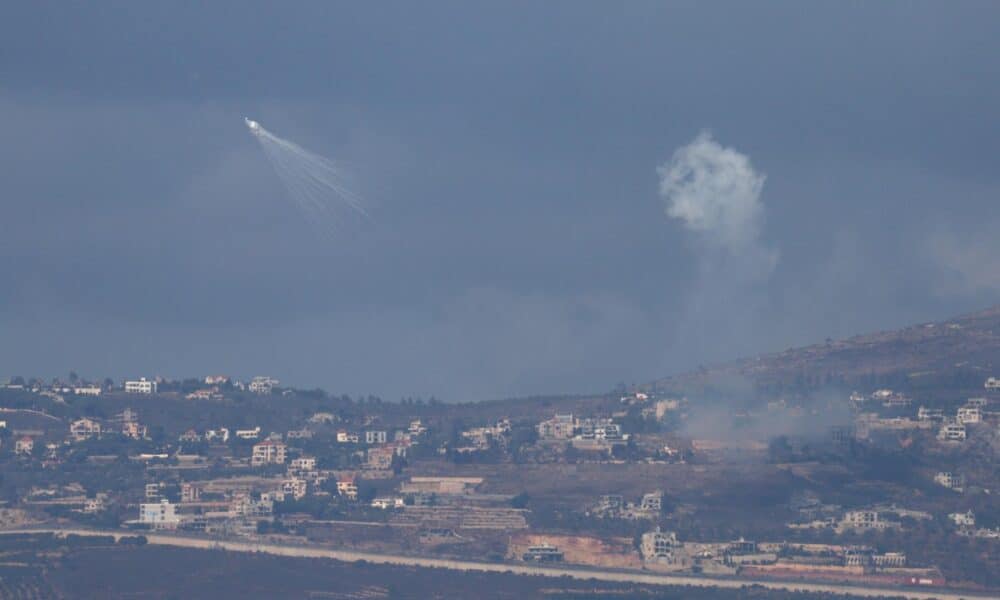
(837, 171)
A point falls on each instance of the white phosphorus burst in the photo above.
(318, 186)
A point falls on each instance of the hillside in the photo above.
(964, 348)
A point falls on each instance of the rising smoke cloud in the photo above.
(715, 192)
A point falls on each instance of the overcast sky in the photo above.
(566, 195)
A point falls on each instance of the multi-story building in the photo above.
(380, 458)
(659, 545)
(84, 429)
(992, 383)
(952, 432)
(140, 386)
(244, 505)
(559, 427)
(894, 560)
(294, 487)
(969, 414)
(375, 437)
(651, 502)
(347, 487)
(268, 452)
(863, 519)
(263, 385)
(950, 480)
(159, 515)
(303, 463)
(930, 414)
(190, 492)
(24, 445)
(345, 437)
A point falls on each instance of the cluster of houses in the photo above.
(950, 428)
(593, 433)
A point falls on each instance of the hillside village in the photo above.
(901, 491)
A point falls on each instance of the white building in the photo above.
(221, 434)
(385, 503)
(992, 384)
(88, 390)
(966, 519)
(347, 488)
(159, 515)
(263, 385)
(344, 437)
(375, 437)
(952, 432)
(559, 427)
(969, 414)
(268, 452)
(142, 386)
(294, 487)
(929, 414)
(24, 446)
(952, 481)
(659, 545)
(303, 463)
(248, 434)
(84, 429)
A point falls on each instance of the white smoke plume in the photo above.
(319, 187)
(715, 192)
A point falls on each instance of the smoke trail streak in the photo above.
(319, 187)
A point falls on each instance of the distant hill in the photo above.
(965, 347)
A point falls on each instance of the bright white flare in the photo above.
(318, 185)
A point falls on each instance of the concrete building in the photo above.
(559, 427)
(190, 492)
(950, 480)
(294, 487)
(303, 463)
(966, 519)
(345, 437)
(659, 545)
(87, 390)
(347, 487)
(159, 515)
(969, 414)
(952, 432)
(84, 429)
(375, 437)
(652, 502)
(386, 503)
(248, 434)
(24, 446)
(864, 519)
(140, 386)
(263, 385)
(268, 452)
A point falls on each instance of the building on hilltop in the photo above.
(140, 386)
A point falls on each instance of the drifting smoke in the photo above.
(318, 186)
(715, 192)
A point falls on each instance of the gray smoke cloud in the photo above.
(715, 192)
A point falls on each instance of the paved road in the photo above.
(468, 565)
